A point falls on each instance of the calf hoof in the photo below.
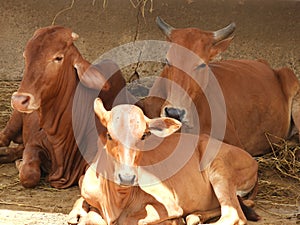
(94, 218)
(76, 216)
(192, 220)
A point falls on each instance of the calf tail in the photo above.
(249, 212)
(253, 193)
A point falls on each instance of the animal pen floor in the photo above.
(268, 29)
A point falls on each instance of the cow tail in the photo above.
(289, 82)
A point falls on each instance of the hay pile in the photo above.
(279, 176)
(283, 157)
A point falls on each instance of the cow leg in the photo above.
(10, 154)
(11, 132)
(29, 167)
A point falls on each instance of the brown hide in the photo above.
(55, 89)
(251, 97)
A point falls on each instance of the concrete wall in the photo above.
(268, 29)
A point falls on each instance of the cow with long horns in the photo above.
(237, 101)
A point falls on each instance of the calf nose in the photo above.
(126, 179)
(20, 102)
(175, 113)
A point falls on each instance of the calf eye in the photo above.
(108, 137)
(146, 134)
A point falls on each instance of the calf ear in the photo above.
(163, 126)
(219, 47)
(89, 76)
(101, 112)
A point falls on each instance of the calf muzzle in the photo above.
(126, 179)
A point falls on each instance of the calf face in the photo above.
(127, 128)
(50, 59)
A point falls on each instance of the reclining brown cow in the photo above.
(152, 176)
(54, 108)
(237, 101)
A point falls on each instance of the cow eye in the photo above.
(108, 137)
(201, 66)
(58, 58)
(146, 134)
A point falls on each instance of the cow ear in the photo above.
(219, 47)
(163, 126)
(89, 76)
(101, 112)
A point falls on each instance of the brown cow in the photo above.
(55, 99)
(150, 179)
(233, 100)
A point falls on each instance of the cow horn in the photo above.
(166, 28)
(223, 33)
(74, 36)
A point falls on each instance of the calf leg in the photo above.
(153, 186)
(79, 210)
(231, 212)
(229, 178)
(156, 215)
(84, 214)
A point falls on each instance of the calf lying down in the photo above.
(147, 174)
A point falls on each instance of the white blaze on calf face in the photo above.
(126, 128)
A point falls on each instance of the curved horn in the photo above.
(223, 33)
(166, 28)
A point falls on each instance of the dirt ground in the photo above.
(268, 29)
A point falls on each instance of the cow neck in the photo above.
(56, 114)
(116, 200)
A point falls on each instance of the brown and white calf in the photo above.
(152, 175)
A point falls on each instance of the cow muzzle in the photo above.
(23, 102)
(175, 113)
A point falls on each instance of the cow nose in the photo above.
(20, 102)
(126, 179)
(175, 113)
